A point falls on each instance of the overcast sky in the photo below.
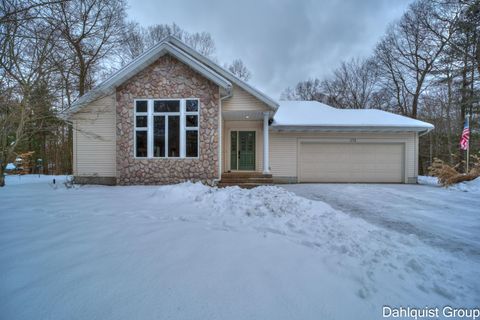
(280, 41)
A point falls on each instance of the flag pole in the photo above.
(468, 155)
(468, 143)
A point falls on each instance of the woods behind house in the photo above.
(51, 53)
(426, 66)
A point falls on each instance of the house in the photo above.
(173, 115)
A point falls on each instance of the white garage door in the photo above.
(356, 162)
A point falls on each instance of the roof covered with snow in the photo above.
(313, 114)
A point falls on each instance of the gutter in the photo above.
(220, 128)
(280, 128)
(422, 133)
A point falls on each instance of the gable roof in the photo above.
(173, 46)
(227, 74)
(313, 115)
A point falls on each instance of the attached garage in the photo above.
(351, 162)
(313, 142)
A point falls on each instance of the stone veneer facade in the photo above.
(167, 78)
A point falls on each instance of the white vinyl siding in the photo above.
(284, 148)
(241, 100)
(94, 145)
(283, 154)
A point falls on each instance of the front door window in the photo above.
(242, 150)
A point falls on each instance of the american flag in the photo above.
(465, 136)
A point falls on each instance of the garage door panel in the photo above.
(361, 162)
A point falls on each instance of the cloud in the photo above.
(282, 41)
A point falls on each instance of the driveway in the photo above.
(440, 217)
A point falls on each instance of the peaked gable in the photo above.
(183, 53)
(228, 75)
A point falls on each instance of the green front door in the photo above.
(242, 150)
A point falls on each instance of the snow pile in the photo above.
(428, 180)
(467, 186)
(34, 178)
(259, 202)
(10, 166)
(186, 191)
(263, 201)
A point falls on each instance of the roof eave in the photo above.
(326, 128)
(109, 85)
(256, 93)
(215, 77)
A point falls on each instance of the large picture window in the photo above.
(166, 128)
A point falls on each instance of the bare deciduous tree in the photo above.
(50, 53)
(12, 11)
(88, 32)
(308, 90)
(238, 68)
(25, 47)
(352, 84)
(137, 39)
(407, 54)
(202, 42)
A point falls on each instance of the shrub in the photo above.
(448, 175)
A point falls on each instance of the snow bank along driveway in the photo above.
(192, 252)
(447, 218)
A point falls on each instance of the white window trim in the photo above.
(183, 128)
(140, 128)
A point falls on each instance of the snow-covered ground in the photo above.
(467, 186)
(192, 252)
(448, 218)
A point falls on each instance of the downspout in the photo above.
(115, 104)
(422, 133)
(75, 160)
(220, 129)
